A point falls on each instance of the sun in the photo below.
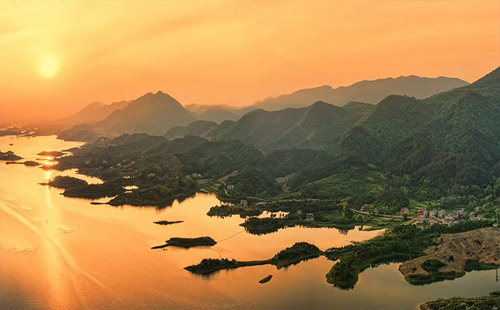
(48, 67)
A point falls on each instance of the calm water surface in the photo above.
(64, 253)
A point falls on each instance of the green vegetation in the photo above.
(458, 303)
(259, 226)
(211, 265)
(187, 242)
(229, 210)
(160, 195)
(432, 266)
(94, 191)
(79, 188)
(298, 252)
(401, 243)
(66, 182)
(292, 255)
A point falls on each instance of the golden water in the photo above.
(64, 253)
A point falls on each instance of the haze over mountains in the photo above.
(156, 113)
(364, 91)
(152, 114)
(93, 112)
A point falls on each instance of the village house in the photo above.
(441, 213)
(366, 208)
(422, 213)
(404, 211)
(230, 187)
(309, 217)
(244, 204)
(448, 218)
(432, 213)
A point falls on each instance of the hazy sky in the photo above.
(56, 57)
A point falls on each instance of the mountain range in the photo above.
(456, 131)
(157, 113)
(364, 91)
(443, 149)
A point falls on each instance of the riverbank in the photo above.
(455, 254)
(458, 303)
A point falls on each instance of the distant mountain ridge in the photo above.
(365, 91)
(157, 113)
(456, 131)
(199, 128)
(93, 112)
(152, 113)
(401, 131)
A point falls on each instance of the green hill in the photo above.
(319, 126)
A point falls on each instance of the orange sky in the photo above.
(55, 57)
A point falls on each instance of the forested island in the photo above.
(187, 242)
(292, 255)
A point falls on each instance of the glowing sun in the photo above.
(49, 66)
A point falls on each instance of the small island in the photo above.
(164, 222)
(187, 242)
(9, 156)
(259, 226)
(27, 163)
(66, 182)
(79, 188)
(266, 279)
(31, 163)
(51, 153)
(300, 251)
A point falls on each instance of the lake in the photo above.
(64, 253)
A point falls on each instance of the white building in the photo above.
(309, 217)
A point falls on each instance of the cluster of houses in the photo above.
(442, 216)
